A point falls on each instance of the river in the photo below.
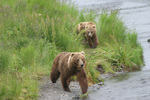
(136, 15)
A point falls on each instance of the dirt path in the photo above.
(51, 91)
(54, 91)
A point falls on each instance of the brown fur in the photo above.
(88, 28)
(81, 26)
(68, 64)
(91, 36)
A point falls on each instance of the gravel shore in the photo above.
(54, 91)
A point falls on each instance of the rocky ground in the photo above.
(54, 91)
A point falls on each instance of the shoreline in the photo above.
(54, 91)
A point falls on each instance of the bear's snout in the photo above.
(90, 34)
(82, 65)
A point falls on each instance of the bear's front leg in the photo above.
(90, 42)
(65, 82)
(95, 41)
(82, 78)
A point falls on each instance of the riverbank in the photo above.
(54, 91)
(134, 85)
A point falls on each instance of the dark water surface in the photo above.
(136, 15)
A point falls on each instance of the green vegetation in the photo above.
(33, 32)
(122, 48)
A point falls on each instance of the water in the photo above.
(136, 87)
(136, 15)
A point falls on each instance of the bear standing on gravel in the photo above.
(68, 64)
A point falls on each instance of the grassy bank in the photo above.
(118, 46)
(33, 32)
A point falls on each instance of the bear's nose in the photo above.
(82, 65)
(90, 34)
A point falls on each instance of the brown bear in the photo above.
(67, 64)
(81, 26)
(90, 34)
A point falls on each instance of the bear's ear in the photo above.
(82, 52)
(72, 54)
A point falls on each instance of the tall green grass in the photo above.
(122, 47)
(109, 27)
(4, 60)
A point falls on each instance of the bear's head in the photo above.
(90, 29)
(82, 26)
(78, 59)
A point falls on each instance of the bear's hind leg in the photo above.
(54, 74)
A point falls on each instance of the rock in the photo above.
(100, 69)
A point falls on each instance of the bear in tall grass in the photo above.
(89, 33)
(67, 64)
(81, 27)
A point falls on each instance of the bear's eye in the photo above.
(88, 32)
(77, 59)
(91, 32)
